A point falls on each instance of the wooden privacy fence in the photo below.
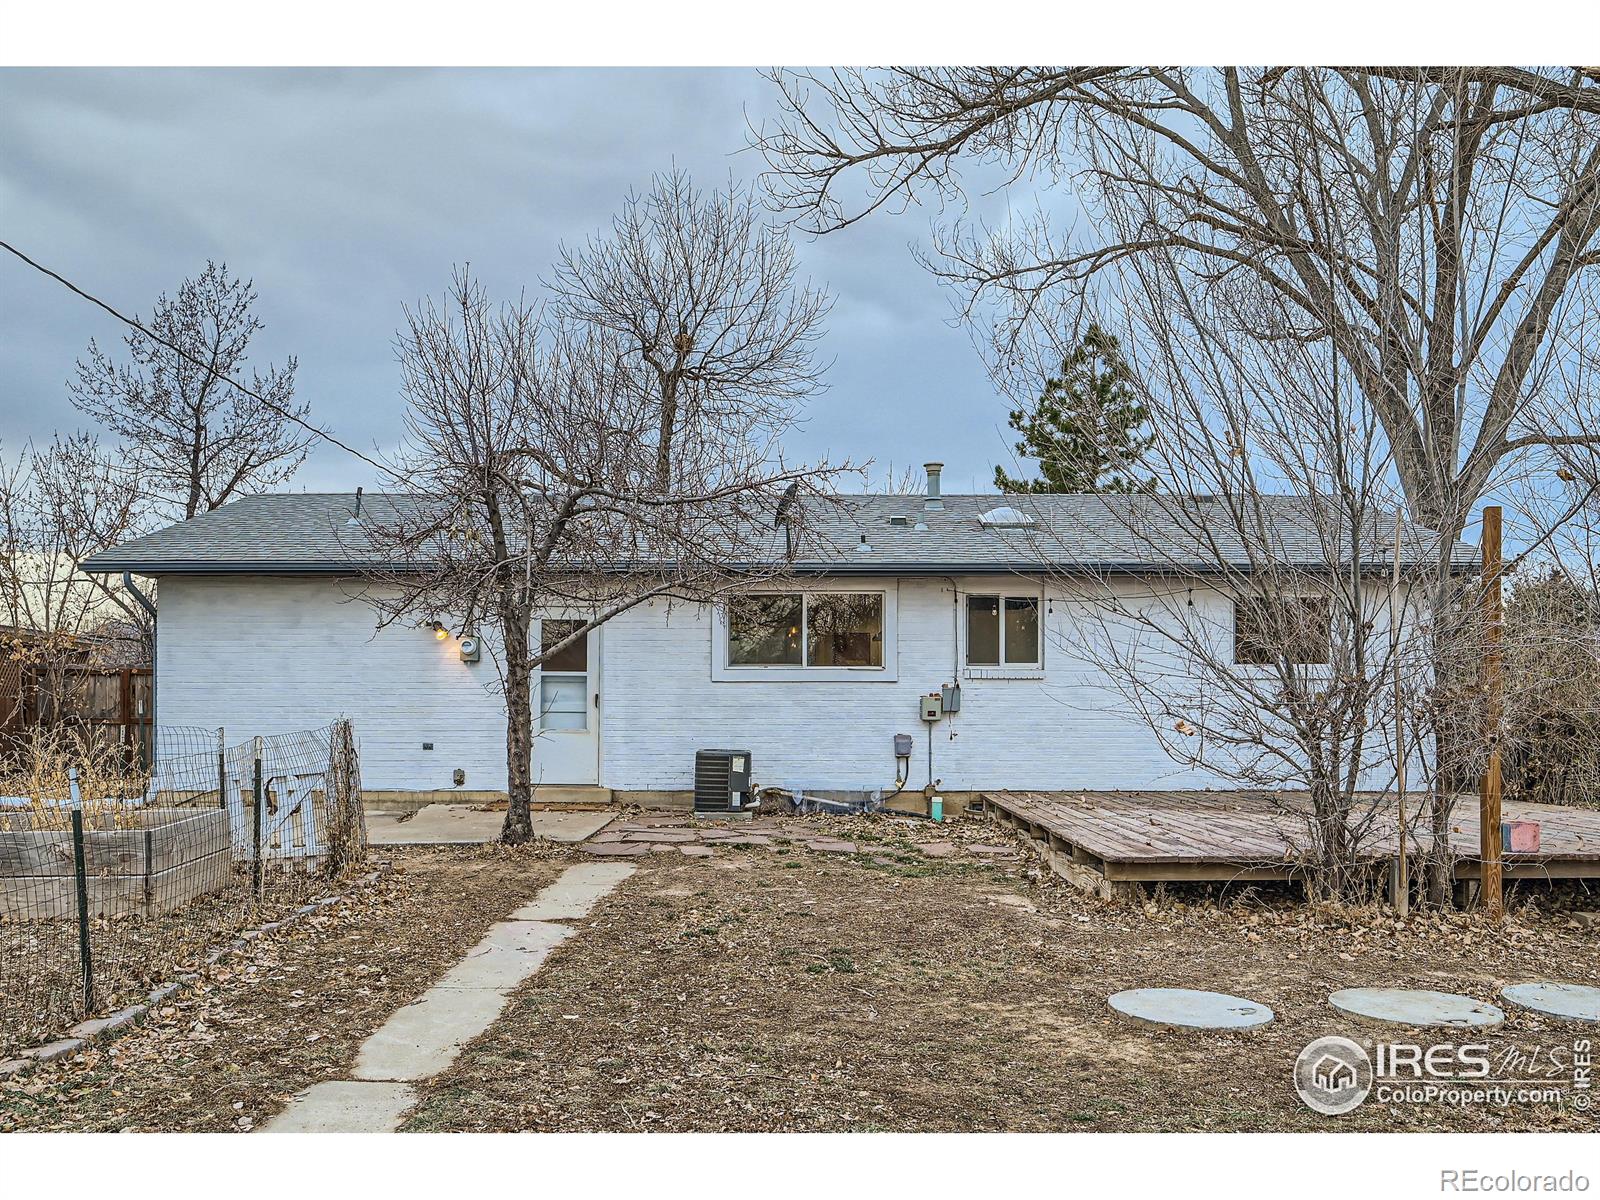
(113, 708)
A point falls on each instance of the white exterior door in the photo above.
(566, 744)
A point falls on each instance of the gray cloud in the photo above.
(346, 194)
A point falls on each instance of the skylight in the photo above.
(1006, 517)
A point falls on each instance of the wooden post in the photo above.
(1489, 888)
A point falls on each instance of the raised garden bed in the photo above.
(155, 860)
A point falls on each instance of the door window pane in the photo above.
(564, 702)
(844, 629)
(983, 631)
(574, 657)
(764, 631)
(1022, 629)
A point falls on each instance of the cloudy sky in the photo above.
(347, 194)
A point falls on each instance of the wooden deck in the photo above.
(1101, 840)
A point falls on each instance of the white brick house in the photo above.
(262, 628)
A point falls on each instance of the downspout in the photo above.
(155, 674)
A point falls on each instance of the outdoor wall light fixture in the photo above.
(439, 631)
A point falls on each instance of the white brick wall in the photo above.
(268, 654)
(1057, 732)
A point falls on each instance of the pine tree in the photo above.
(1088, 430)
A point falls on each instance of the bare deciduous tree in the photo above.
(701, 292)
(535, 462)
(1437, 226)
(1267, 651)
(1434, 228)
(1551, 737)
(58, 505)
(199, 440)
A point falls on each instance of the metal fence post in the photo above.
(255, 857)
(222, 770)
(80, 868)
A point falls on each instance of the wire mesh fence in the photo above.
(112, 883)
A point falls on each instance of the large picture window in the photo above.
(818, 629)
(1271, 629)
(1002, 631)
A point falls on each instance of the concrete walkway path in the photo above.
(423, 1038)
(464, 825)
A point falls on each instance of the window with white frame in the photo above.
(1002, 630)
(806, 630)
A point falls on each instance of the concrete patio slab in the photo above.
(1417, 1007)
(1184, 1008)
(346, 1106)
(465, 825)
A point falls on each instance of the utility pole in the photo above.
(1489, 888)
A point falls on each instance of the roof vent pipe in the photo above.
(933, 500)
(355, 517)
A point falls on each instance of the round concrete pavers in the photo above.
(1181, 1008)
(1569, 1001)
(1410, 1006)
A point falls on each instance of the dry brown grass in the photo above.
(291, 1011)
(40, 769)
(763, 990)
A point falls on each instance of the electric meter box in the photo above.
(902, 745)
(932, 706)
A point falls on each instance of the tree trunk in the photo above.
(1456, 743)
(669, 423)
(519, 732)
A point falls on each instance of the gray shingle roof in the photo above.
(313, 533)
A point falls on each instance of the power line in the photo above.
(272, 406)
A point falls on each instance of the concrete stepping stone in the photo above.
(616, 849)
(1568, 1001)
(990, 851)
(346, 1106)
(511, 952)
(1184, 1008)
(1416, 1007)
(696, 851)
(936, 849)
(662, 835)
(424, 1037)
(574, 895)
(832, 847)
